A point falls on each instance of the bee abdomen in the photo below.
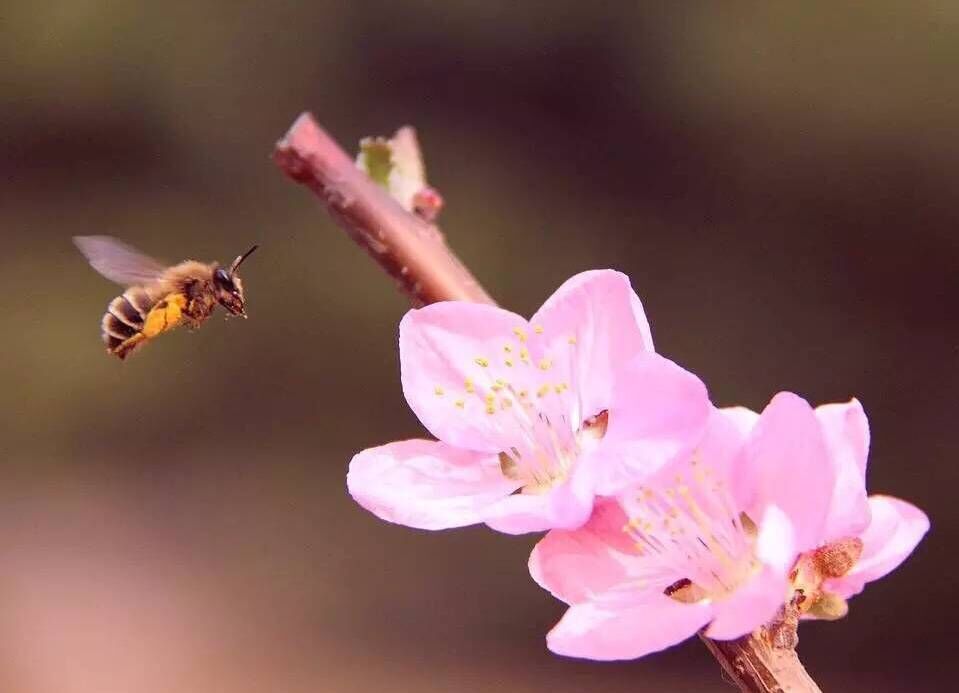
(139, 303)
(124, 311)
(125, 318)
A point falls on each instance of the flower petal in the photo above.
(566, 505)
(426, 484)
(743, 418)
(893, 533)
(598, 318)
(846, 431)
(658, 414)
(626, 626)
(577, 565)
(776, 543)
(750, 606)
(786, 464)
(450, 356)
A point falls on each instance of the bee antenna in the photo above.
(239, 260)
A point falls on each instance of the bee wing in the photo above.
(118, 261)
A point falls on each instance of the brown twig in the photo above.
(757, 667)
(414, 253)
(408, 248)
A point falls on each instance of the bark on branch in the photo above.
(414, 253)
(408, 249)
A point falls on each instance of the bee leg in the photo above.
(126, 347)
(165, 315)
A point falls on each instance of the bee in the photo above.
(158, 298)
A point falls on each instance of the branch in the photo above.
(408, 248)
(757, 667)
(414, 253)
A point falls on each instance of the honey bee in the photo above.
(158, 298)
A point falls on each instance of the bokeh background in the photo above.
(779, 181)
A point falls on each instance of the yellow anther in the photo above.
(490, 409)
(523, 394)
(524, 355)
(460, 403)
(469, 386)
(572, 340)
(509, 363)
(481, 362)
(520, 334)
(490, 398)
(505, 403)
(545, 364)
(544, 390)
(558, 389)
(495, 387)
(508, 349)
(438, 390)
(538, 329)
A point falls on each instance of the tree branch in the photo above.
(414, 253)
(757, 667)
(408, 248)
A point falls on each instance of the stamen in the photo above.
(691, 536)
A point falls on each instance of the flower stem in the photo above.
(757, 667)
(415, 254)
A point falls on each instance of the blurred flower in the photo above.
(764, 514)
(534, 418)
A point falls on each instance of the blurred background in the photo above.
(779, 182)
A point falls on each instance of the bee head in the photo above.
(229, 288)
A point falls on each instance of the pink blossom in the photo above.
(534, 418)
(764, 513)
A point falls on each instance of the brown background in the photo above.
(780, 184)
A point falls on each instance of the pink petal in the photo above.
(786, 464)
(846, 431)
(426, 484)
(565, 506)
(722, 445)
(658, 414)
(602, 314)
(443, 345)
(750, 606)
(742, 418)
(895, 530)
(625, 626)
(776, 542)
(577, 565)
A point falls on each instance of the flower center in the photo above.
(522, 387)
(694, 542)
(551, 451)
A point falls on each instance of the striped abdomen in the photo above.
(123, 322)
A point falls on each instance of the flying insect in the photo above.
(158, 297)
